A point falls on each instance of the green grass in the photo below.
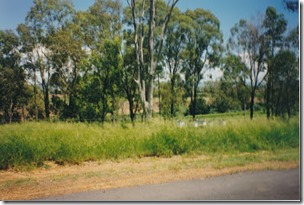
(31, 144)
(227, 115)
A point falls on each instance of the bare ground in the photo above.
(55, 180)
(256, 185)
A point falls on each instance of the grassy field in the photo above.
(32, 144)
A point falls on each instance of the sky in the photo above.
(229, 12)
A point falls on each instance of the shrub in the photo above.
(201, 107)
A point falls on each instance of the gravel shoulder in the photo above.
(252, 185)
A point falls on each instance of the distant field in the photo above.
(30, 145)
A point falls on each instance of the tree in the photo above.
(100, 28)
(177, 98)
(13, 90)
(291, 42)
(67, 56)
(248, 42)
(275, 25)
(45, 18)
(286, 83)
(291, 5)
(145, 80)
(102, 79)
(129, 74)
(203, 49)
(174, 47)
(101, 21)
(30, 59)
(234, 76)
(201, 108)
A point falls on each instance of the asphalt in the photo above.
(259, 185)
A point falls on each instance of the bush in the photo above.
(201, 107)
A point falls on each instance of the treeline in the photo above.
(67, 64)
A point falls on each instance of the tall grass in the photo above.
(31, 144)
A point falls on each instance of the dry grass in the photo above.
(57, 180)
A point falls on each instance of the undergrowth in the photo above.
(31, 144)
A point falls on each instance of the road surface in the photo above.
(259, 185)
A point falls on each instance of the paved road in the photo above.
(260, 185)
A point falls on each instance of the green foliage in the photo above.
(233, 86)
(231, 139)
(291, 5)
(14, 92)
(165, 143)
(24, 145)
(88, 61)
(201, 107)
(169, 97)
(286, 83)
(203, 45)
(100, 85)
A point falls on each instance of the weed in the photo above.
(31, 144)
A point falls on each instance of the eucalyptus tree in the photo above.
(44, 19)
(67, 57)
(173, 52)
(234, 76)
(286, 83)
(103, 78)
(143, 13)
(275, 26)
(291, 5)
(100, 27)
(13, 90)
(101, 21)
(248, 42)
(291, 41)
(203, 50)
(128, 84)
(29, 60)
(286, 76)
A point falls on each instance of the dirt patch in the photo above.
(59, 180)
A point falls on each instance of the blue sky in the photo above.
(229, 12)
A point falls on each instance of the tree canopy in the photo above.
(104, 63)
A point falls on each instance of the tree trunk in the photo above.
(35, 96)
(194, 102)
(45, 89)
(191, 100)
(23, 114)
(172, 97)
(252, 103)
(142, 91)
(11, 112)
(149, 104)
(113, 105)
(147, 98)
(47, 103)
(272, 96)
(103, 111)
(268, 100)
(159, 101)
(131, 109)
(152, 65)
(172, 109)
